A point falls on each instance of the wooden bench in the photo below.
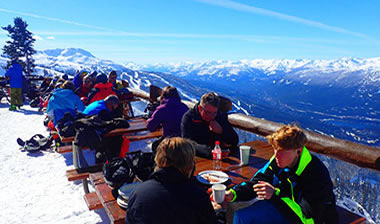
(83, 173)
(105, 197)
(67, 148)
(131, 138)
(92, 201)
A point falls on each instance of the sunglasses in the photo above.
(209, 113)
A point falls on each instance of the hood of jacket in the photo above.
(169, 175)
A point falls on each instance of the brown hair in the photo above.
(169, 91)
(175, 152)
(68, 85)
(287, 137)
(210, 98)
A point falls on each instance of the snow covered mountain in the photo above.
(316, 72)
(339, 97)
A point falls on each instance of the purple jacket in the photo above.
(169, 115)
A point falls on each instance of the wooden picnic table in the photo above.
(237, 173)
(79, 161)
(135, 125)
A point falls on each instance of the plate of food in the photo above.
(212, 177)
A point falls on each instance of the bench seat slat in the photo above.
(92, 201)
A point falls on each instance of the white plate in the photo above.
(220, 176)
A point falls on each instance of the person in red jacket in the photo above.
(101, 90)
(85, 88)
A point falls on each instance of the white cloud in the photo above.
(251, 9)
(50, 38)
(53, 19)
(37, 37)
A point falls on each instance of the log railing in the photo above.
(359, 154)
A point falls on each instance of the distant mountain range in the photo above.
(339, 97)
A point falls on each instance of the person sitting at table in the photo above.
(85, 88)
(101, 90)
(112, 77)
(168, 115)
(205, 124)
(109, 104)
(63, 100)
(169, 196)
(296, 185)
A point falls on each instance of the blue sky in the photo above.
(151, 31)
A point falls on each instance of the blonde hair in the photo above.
(288, 137)
(175, 152)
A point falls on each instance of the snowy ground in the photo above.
(34, 188)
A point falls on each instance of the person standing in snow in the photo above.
(15, 76)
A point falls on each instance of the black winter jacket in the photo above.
(169, 197)
(196, 129)
(312, 189)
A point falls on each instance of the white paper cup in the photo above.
(244, 154)
(218, 192)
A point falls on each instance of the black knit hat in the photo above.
(101, 78)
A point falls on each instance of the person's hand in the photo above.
(216, 206)
(264, 190)
(215, 127)
(228, 196)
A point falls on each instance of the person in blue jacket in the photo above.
(78, 79)
(109, 104)
(14, 75)
(64, 100)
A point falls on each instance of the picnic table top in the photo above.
(135, 125)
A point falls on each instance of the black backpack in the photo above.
(142, 164)
(117, 172)
(36, 143)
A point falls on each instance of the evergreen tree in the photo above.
(20, 47)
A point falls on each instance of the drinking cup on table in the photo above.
(244, 154)
(218, 192)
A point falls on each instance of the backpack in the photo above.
(117, 172)
(142, 164)
(36, 143)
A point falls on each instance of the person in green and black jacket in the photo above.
(295, 185)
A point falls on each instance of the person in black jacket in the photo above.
(205, 124)
(169, 196)
(296, 185)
